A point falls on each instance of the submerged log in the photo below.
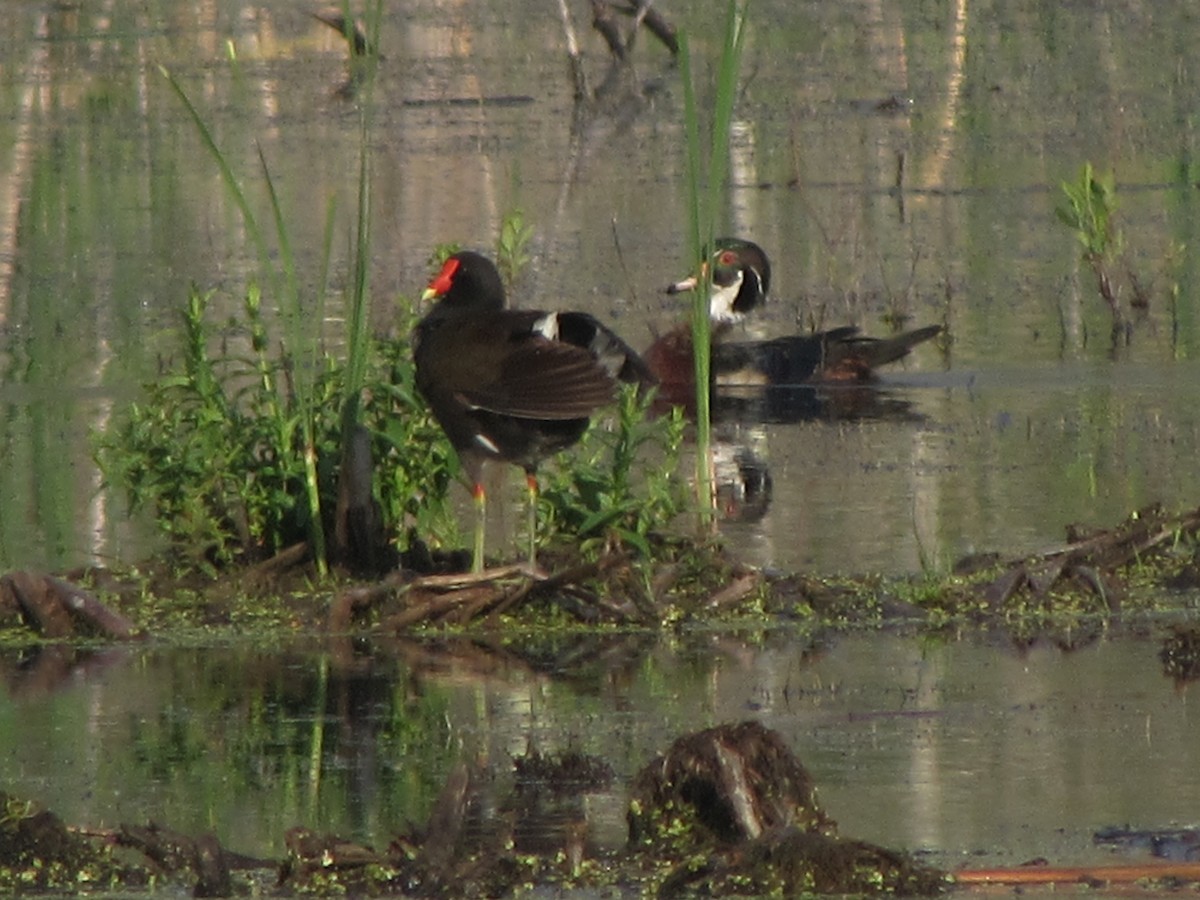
(737, 811)
(732, 783)
(174, 854)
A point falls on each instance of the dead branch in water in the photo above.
(1106, 874)
(458, 599)
(1092, 558)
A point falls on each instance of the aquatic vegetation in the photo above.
(512, 247)
(216, 451)
(702, 220)
(620, 485)
(1090, 212)
(38, 852)
(219, 451)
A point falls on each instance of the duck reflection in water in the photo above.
(743, 483)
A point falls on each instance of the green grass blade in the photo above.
(358, 316)
(702, 213)
(358, 344)
(692, 173)
(289, 296)
(289, 303)
(323, 271)
(700, 236)
(231, 182)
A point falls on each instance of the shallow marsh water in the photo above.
(961, 747)
(1018, 425)
(1022, 423)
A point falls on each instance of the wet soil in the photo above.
(1094, 572)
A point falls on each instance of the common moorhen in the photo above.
(511, 384)
(741, 278)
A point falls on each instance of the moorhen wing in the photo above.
(514, 385)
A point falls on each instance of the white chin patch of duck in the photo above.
(547, 326)
(721, 299)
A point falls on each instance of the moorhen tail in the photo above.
(514, 385)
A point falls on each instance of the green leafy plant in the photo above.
(238, 454)
(1090, 212)
(1091, 203)
(512, 247)
(216, 450)
(620, 483)
(300, 347)
(218, 453)
(286, 292)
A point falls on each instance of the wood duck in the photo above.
(514, 385)
(741, 277)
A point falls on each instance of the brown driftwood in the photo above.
(1090, 558)
(312, 851)
(175, 853)
(736, 590)
(350, 603)
(285, 559)
(574, 57)
(645, 14)
(605, 22)
(460, 598)
(1103, 874)
(59, 609)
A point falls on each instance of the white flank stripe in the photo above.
(547, 326)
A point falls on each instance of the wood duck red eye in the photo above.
(728, 258)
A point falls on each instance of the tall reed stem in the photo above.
(702, 213)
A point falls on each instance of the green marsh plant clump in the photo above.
(621, 484)
(216, 451)
(1089, 210)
